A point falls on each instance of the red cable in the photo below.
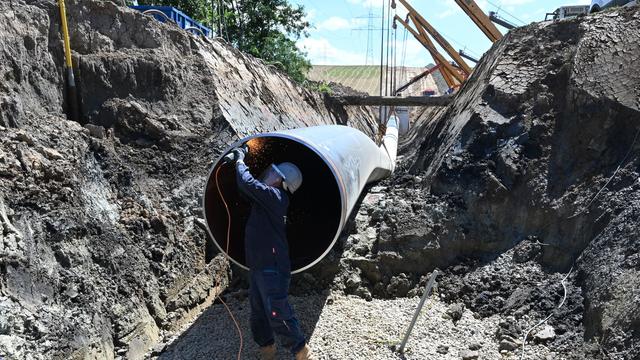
(227, 253)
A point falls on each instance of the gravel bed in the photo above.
(347, 327)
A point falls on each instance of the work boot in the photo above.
(305, 354)
(268, 352)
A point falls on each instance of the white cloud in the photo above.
(514, 2)
(321, 52)
(376, 4)
(484, 5)
(310, 15)
(454, 9)
(335, 23)
(401, 11)
(451, 9)
(536, 15)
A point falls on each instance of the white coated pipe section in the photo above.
(353, 158)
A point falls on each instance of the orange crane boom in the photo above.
(480, 18)
(422, 22)
(448, 71)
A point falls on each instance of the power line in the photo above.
(386, 81)
(394, 83)
(381, 54)
(458, 43)
(403, 68)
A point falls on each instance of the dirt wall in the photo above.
(102, 246)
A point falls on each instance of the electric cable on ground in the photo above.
(226, 206)
(524, 340)
(633, 143)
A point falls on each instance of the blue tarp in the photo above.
(177, 16)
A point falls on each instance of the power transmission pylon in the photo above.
(371, 27)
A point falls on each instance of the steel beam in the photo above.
(393, 100)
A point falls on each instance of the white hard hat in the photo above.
(292, 176)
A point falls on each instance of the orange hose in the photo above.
(227, 253)
(228, 212)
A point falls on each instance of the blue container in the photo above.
(175, 15)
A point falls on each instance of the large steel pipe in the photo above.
(337, 162)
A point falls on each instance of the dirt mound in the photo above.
(102, 250)
(538, 150)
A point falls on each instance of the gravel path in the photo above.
(352, 328)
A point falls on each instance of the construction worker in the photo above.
(267, 255)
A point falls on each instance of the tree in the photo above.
(267, 29)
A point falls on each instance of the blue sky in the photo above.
(340, 34)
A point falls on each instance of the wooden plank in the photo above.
(393, 100)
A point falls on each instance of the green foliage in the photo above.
(267, 29)
(323, 87)
(282, 52)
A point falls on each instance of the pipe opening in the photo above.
(315, 210)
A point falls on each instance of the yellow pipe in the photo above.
(65, 34)
(73, 110)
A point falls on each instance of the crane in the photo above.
(421, 22)
(449, 72)
(416, 78)
(455, 73)
(480, 18)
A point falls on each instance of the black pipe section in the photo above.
(468, 57)
(494, 17)
(412, 81)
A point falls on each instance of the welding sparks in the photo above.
(255, 145)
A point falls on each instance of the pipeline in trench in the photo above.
(337, 162)
(314, 211)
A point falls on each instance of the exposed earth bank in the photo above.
(102, 248)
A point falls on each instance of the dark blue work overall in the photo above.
(267, 255)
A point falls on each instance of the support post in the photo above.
(72, 93)
(427, 291)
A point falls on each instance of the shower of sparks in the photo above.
(259, 153)
(256, 145)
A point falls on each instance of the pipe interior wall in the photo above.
(337, 162)
(314, 210)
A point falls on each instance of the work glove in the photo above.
(239, 153)
(236, 154)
